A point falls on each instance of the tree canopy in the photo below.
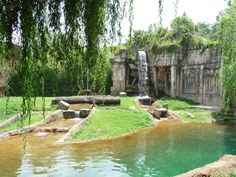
(184, 35)
(66, 33)
(227, 37)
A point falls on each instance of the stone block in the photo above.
(160, 112)
(69, 114)
(63, 105)
(122, 94)
(145, 100)
(84, 113)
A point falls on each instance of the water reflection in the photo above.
(11, 156)
(170, 149)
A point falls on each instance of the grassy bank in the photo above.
(11, 107)
(112, 121)
(36, 117)
(188, 113)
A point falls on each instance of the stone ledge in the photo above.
(221, 167)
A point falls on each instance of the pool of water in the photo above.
(167, 150)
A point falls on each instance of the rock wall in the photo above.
(195, 76)
(118, 75)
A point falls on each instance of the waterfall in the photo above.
(142, 72)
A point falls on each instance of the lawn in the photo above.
(112, 121)
(36, 117)
(176, 103)
(13, 106)
(185, 110)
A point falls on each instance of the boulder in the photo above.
(69, 114)
(63, 105)
(145, 100)
(122, 94)
(160, 112)
(84, 113)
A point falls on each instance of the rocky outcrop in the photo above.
(222, 167)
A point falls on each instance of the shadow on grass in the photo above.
(222, 117)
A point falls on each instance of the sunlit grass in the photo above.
(111, 121)
(188, 113)
(36, 117)
(14, 106)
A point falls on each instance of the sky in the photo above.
(146, 12)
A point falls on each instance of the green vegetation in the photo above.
(74, 49)
(232, 174)
(36, 117)
(228, 45)
(111, 121)
(176, 103)
(188, 113)
(11, 107)
(183, 36)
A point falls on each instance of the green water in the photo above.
(167, 150)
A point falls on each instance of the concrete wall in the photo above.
(195, 76)
(118, 75)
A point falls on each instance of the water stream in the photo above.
(166, 150)
(142, 73)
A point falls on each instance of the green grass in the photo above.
(112, 121)
(195, 115)
(14, 106)
(176, 103)
(36, 117)
(185, 110)
(230, 174)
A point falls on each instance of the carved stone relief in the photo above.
(211, 81)
(191, 80)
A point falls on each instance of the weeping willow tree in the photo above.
(67, 33)
(227, 38)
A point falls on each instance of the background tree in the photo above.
(227, 39)
(66, 34)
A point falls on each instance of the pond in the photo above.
(167, 150)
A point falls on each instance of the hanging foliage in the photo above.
(227, 39)
(65, 34)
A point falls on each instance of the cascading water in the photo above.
(142, 72)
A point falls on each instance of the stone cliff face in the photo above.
(194, 76)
